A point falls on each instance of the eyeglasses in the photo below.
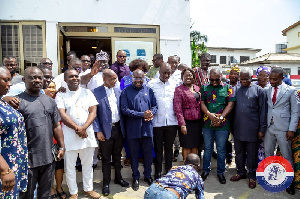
(49, 78)
(47, 63)
(85, 61)
(122, 56)
(214, 80)
(138, 78)
(77, 68)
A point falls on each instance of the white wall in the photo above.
(173, 16)
(227, 53)
(292, 37)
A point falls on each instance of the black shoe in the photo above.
(157, 176)
(135, 185)
(291, 189)
(105, 190)
(148, 180)
(122, 182)
(176, 153)
(204, 175)
(222, 178)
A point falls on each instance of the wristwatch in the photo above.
(221, 117)
(62, 149)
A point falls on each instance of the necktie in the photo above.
(274, 95)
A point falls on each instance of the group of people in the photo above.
(140, 108)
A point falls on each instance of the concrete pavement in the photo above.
(213, 189)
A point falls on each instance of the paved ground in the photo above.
(213, 189)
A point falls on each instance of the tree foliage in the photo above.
(197, 44)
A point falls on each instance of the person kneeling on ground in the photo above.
(179, 181)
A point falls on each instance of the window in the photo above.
(222, 59)
(23, 40)
(233, 60)
(213, 59)
(10, 42)
(244, 58)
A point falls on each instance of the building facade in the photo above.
(226, 57)
(292, 34)
(33, 29)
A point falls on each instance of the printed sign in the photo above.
(275, 174)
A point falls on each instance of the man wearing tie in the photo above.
(108, 129)
(282, 117)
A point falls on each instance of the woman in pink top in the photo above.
(187, 99)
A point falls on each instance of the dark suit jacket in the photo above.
(102, 122)
(185, 104)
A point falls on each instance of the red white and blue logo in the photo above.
(275, 174)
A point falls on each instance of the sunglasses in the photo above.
(214, 80)
(138, 78)
(85, 60)
(122, 56)
(10, 64)
(47, 63)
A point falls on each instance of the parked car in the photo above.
(296, 83)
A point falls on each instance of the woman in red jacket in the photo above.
(187, 99)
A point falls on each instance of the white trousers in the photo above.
(86, 157)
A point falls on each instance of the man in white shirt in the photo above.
(77, 108)
(59, 80)
(93, 78)
(108, 128)
(165, 122)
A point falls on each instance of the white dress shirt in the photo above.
(113, 104)
(164, 94)
(278, 90)
(59, 81)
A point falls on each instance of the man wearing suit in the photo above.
(138, 105)
(108, 129)
(282, 117)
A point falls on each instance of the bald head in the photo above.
(33, 78)
(193, 159)
(137, 73)
(108, 73)
(30, 70)
(165, 72)
(3, 69)
(109, 78)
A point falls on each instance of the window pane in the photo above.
(10, 41)
(33, 39)
(213, 59)
(222, 59)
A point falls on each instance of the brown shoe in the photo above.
(252, 183)
(92, 194)
(237, 177)
(127, 162)
(73, 196)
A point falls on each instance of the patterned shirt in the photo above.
(13, 147)
(184, 179)
(201, 77)
(152, 72)
(216, 99)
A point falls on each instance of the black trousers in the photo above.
(43, 175)
(163, 142)
(241, 148)
(112, 147)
